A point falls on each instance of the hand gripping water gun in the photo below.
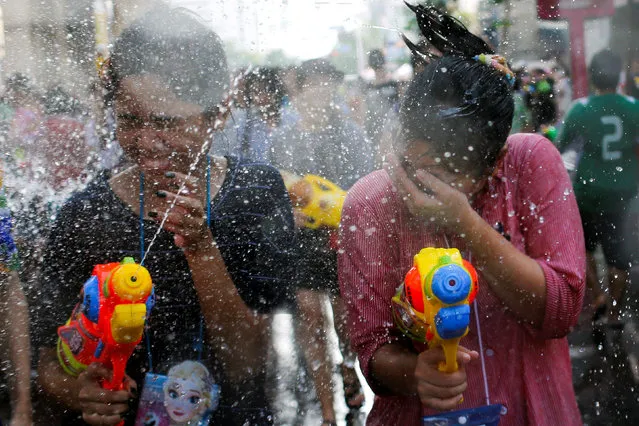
(433, 304)
(320, 200)
(108, 323)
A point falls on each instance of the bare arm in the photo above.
(84, 393)
(55, 382)
(237, 333)
(516, 279)
(393, 367)
(16, 322)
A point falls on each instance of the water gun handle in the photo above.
(118, 362)
(450, 352)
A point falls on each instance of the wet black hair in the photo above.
(605, 70)
(457, 104)
(317, 67)
(173, 44)
(376, 59)
(18, 82)
(58, 101)
(271, 81)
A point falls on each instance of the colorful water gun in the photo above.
(433, 304)
(319, 199)
(108, 323)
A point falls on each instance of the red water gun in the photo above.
(108, 323)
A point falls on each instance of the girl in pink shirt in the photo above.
(506, 203)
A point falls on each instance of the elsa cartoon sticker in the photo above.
(190, 394)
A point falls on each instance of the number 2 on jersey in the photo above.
(610, 138)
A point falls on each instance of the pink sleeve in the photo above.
(368, 275)
(553, 234)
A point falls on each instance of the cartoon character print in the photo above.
(189, 393)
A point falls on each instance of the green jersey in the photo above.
(606, 127)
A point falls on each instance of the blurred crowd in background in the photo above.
(52, 144)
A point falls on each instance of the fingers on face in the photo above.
(429, 185)
(429, 181)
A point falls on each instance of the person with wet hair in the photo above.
(381, 96)
(541, 99)
(456, 179)
(214, 282)
(604, 129)
(15, 350)
(264, 93)
(316, 138)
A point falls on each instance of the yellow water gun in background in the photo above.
(433, 304)
(319, 199)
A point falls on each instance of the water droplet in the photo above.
(619, 168)
(511, 213)
(447, 154)
(471, 148)
(352, 228)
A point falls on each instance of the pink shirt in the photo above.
(529, 197)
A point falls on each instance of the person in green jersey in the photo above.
(604, 128)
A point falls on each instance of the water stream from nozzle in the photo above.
(223, 110)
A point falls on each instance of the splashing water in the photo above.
(224, 109)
